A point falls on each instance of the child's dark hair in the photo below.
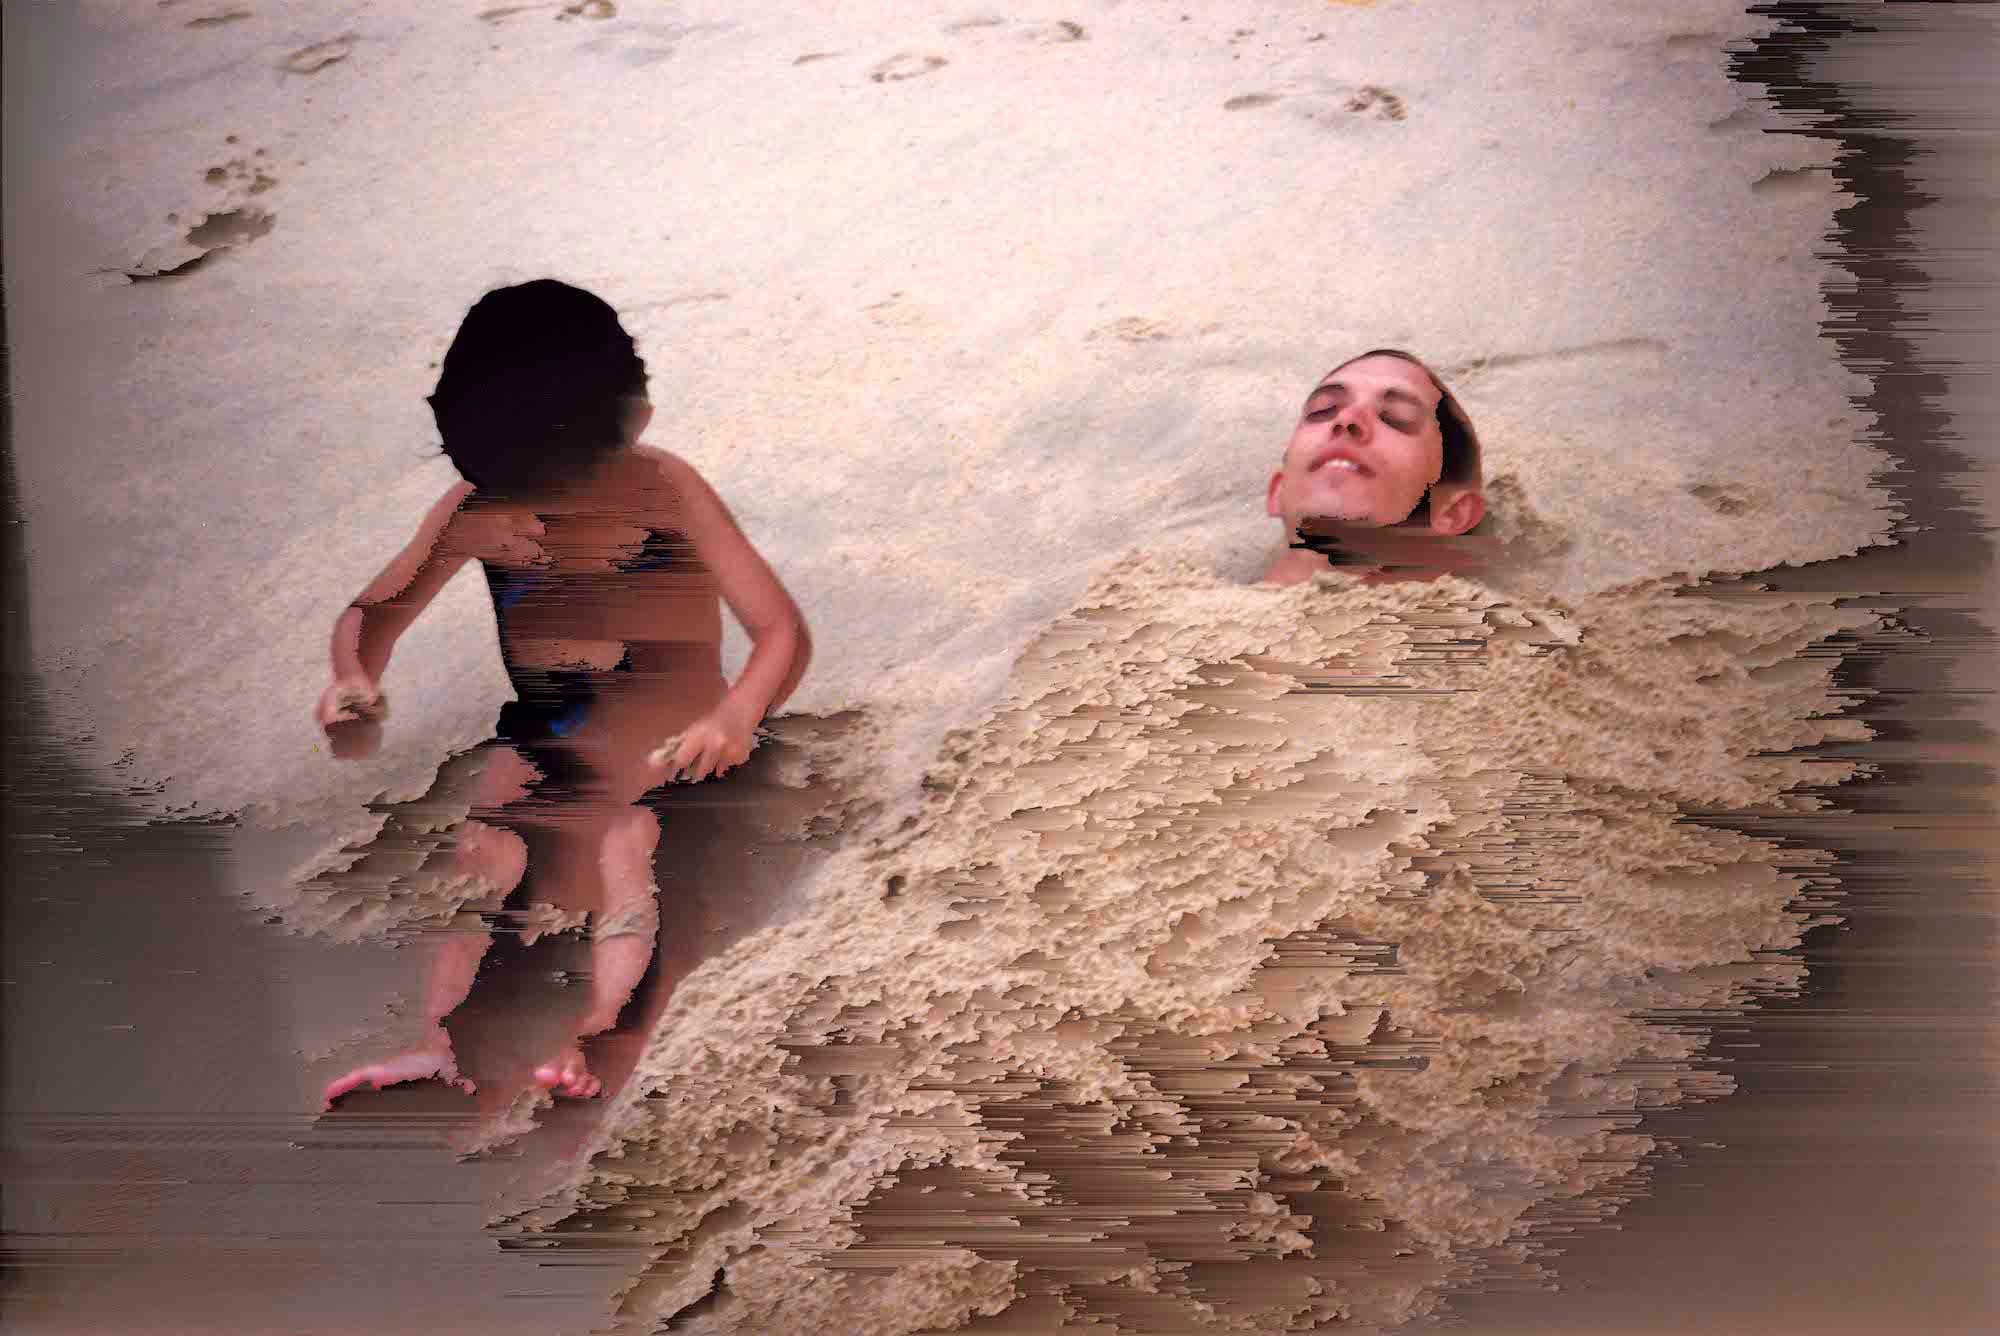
(536, 386)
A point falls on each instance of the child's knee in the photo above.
(630, 839)
(631, 904)
(484, 905)
(508, 777)
(635, 916)
(493, 854)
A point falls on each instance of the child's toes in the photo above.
(568, 1078)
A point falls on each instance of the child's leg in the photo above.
(627, 929)
(623, 935)
(498, 859)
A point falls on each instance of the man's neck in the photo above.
(1295, 565)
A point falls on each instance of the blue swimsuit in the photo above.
(552, 703)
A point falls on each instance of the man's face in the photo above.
(1366, 448)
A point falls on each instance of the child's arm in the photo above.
(781, 646)
(367, 630)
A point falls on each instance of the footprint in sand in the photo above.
(1380, 102)
(1132, 329)
(910, 65)
(588, 9)
(224, 222)
(1702, 42)
(1722, 498)
(893, 312)
(244, 175)
(217, 231)
(312, 59)
(508, 11)
(906, 66)
(636, 42)
(1056, 34)
(1791, 181)
(1367, 101)
(1046, 34)
(231, 227)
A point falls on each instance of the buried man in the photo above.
(1383, 469)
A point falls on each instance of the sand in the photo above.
(989, 329)
(946, 338)
(1253, 963)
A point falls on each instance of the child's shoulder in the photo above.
(689, 497)
(680, 478)
(665, 463)
(458, 500)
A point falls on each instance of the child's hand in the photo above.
(714, 744)
(351, 712)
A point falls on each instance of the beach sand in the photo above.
(1142, 948)
(951, 315)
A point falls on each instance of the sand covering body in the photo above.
(1266, 956)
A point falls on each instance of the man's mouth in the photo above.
(1340, 461)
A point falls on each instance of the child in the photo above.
(1380, 444)
(607, 561)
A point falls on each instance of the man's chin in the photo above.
(1329, 521)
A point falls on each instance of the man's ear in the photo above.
(1273, 505)
(1457, 510)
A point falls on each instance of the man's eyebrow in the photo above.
(1390, 393)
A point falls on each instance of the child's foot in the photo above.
(566, 1074)
(419, 1064)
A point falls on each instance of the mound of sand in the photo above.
(1266, 956)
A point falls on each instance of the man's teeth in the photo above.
(1345, 465)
